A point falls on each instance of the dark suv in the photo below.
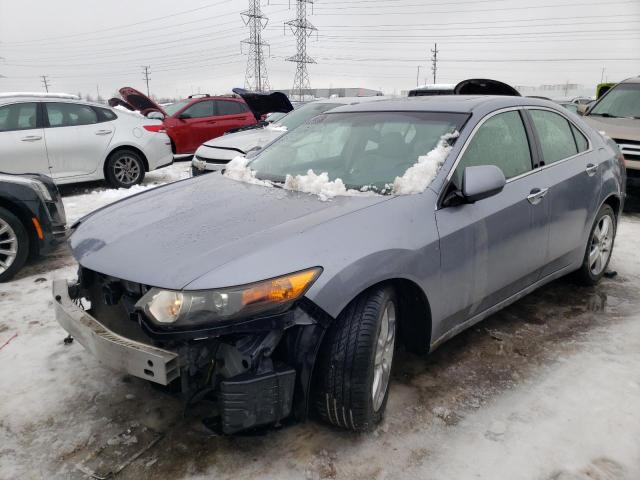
(32, 220)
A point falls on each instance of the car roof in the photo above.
(632, 80)
(445, 103)
(49, 98)
(350, 100)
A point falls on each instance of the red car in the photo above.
(199, 118)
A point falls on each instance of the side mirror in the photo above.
(582, 109)
(482, 182)
(155, 115)
(184, 116)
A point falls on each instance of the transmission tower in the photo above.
(434, 62)
(45, 82)
(256, 75)
(302, 29)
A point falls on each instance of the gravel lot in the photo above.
(547, 389)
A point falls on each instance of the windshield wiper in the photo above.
(606, 115)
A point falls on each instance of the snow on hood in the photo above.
(415, 180)
(276, 128)
(418, 177)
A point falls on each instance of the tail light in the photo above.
(155, 128)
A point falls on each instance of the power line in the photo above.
(302, 29)
(45, 82)
(146, 77)
(256, 74)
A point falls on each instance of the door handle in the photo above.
(31, 138)
(103, 132)
(536, 195)
(591, 169)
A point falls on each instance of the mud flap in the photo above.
(119, 451)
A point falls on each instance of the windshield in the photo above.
(297, 117)
(364, 149)
(175, 107)
(621, 101)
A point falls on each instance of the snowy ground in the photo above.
(548, 389)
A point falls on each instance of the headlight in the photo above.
(42, 189)
(200, 307)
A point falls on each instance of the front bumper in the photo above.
(136, 358)
(200, 166)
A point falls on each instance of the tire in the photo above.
(125, 169)
(594, 267)
(13, 238)
(346, 368)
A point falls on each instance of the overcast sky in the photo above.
(194, 45)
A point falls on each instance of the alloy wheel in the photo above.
(126, 170)
(384, 355)
(8, 246)
(600, 245)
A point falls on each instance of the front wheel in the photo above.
(124, 169)
(354, 365)
(599, 247)
(14, 245)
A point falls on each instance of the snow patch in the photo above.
(418, 177)
(237, 169)
(321, 186)
(276, 128)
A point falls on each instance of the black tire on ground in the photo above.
(586, 275)
(344, 372)
(125, 169)
(11, 227)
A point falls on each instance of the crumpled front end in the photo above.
(257, 371)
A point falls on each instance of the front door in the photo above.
(76, 142)
(22, 146)
(574, 188)
(496, 247)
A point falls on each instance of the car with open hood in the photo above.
(471, 86)
(199, 118)
(284, 285)
(617, 114)
(213, 155)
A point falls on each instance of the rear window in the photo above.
(556, 137)
(105, 115)
(229, 107)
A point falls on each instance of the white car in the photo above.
(215, 154)
(74, 141)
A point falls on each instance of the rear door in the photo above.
(195, 125)
(232, 114)
(494, 248)
(22, 146)
(76, 139)
(574, 185)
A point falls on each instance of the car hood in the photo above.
(170, 236)
(484, 86)
(139, 101)
(616, 128)
(246, 140)
(263, 103)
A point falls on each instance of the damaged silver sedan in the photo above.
(274, 303)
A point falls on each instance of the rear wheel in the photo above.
(14, 245)
(125, 169)
(354, 366)
(599, 247)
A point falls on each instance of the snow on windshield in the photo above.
(415, 180)
(418, 177)
(276, 127)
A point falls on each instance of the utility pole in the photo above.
(602, 75)
(256, 74)
(45, 82)
(302, 29)
(434, 61)
(146, 77)
(418, 77)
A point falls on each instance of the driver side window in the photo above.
(500, 141)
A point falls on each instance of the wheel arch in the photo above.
(614, 202)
